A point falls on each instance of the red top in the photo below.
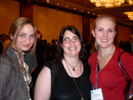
(111, 78)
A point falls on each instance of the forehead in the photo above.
(68, 34)
(105, 22)
(28, 28)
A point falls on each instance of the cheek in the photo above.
(64, 47)
(80, 45)
(32, 40)
(98, 34)
(112, 36)
(19, 40)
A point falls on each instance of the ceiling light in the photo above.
(81, 10)
(130, 2)
(88, 12)
(110, 3)
(58, 4)
(129, 14)
(66, 6)
(74, 8)
(47, 0)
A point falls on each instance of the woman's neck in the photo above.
(104, 51)
(72, 60)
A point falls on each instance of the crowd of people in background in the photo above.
(48, 51)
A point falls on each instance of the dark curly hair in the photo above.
(83, 52)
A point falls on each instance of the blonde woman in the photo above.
(14, 75)
(106, 75)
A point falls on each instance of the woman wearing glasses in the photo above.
(72, 80)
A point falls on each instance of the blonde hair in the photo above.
(107, 17)
(17, 25)
(101, 17)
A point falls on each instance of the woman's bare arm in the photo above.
(43, 85)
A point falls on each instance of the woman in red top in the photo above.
(105, 71)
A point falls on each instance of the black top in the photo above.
(65, 88)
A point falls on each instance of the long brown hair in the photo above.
(17, 25)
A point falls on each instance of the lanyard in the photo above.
(96, 75)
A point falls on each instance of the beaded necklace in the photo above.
(71, 65)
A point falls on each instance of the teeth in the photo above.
(104, 40)
(72, 48)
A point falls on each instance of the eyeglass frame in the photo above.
(75, 37)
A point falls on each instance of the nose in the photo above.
(105, 34)
(71, 41)
(27, 40)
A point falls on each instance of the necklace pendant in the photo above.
(73, 69)
(82, 98)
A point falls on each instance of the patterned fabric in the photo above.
(25, 70)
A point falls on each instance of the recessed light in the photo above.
(58, 4)
(85, 2)
(74, 8)
(93, 13)
(88, 12)
(47, 0)
(81, 10)
(66, 6)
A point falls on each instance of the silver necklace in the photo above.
(106, 57)
(71, 65)
(75, 81)
(105, 54)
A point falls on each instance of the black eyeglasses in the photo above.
(67, 40)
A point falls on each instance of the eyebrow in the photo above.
(26, 33)
(102, 27)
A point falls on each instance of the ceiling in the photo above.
(84, 6)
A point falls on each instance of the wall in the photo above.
(123, 33)
(91, 27)
(9, 11)
(50, 21)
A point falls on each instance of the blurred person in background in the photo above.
(129, 45)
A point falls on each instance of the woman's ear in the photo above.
(93, 33)
(115, 33)
(11, 37)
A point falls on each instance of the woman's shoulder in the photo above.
(5, 64)
(4, 58)
(47, 64)
(126, 56)
(93, 57)
(122, 53)
(50, 64)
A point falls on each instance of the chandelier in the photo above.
(129, 14)
(110, 3)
